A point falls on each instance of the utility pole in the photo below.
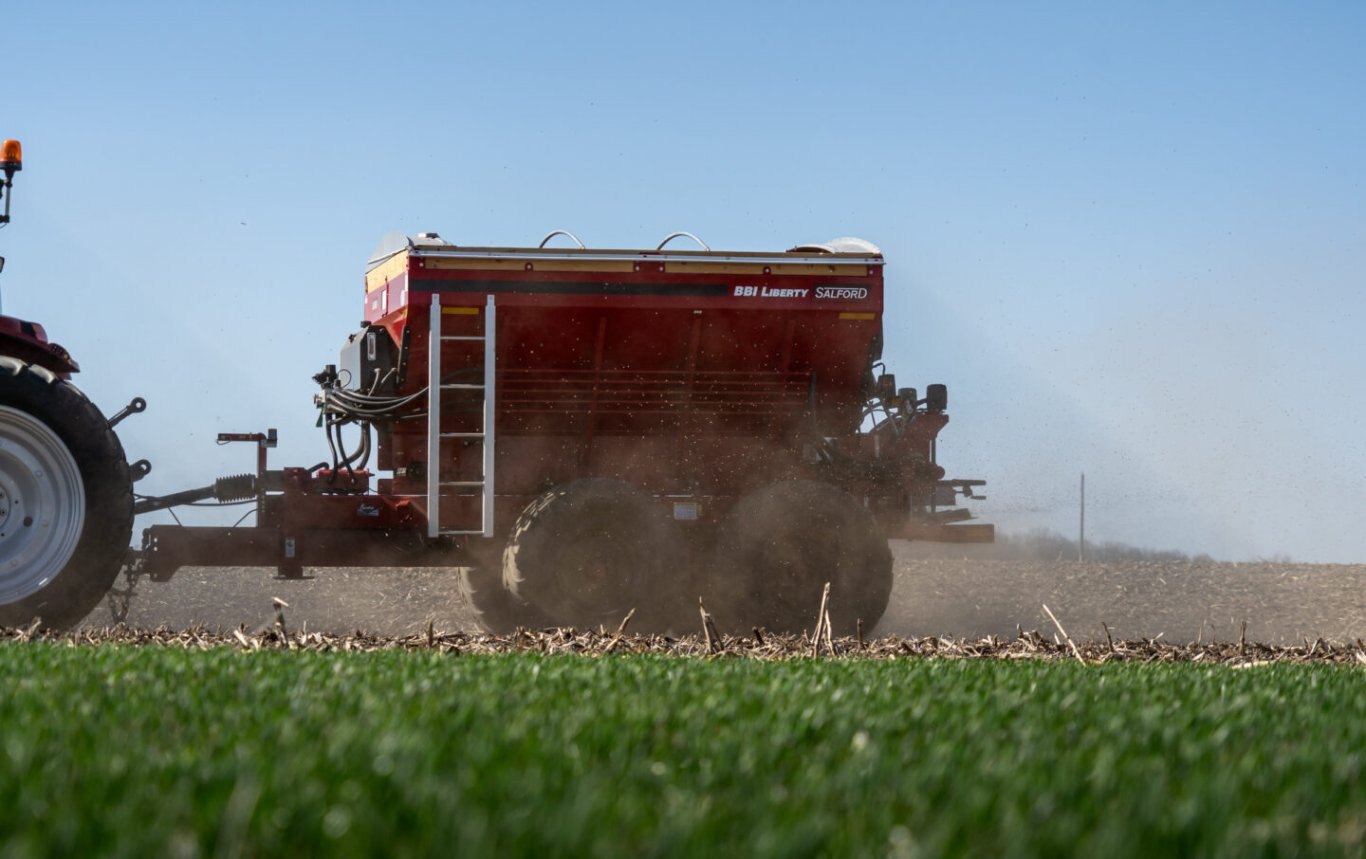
(1081, 541)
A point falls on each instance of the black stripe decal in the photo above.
(570, 287)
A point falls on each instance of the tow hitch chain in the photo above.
(121, 598)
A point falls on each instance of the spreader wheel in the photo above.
(588, 552)
(497, 609)
(779, 547)
(66, 499)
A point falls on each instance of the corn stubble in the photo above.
(759, 645)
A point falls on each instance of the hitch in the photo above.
(225, 490)
(263, 441)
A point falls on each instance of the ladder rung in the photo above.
(465, 533)
(462, 337)
(469, 483)
(461, 386)
(462, 435)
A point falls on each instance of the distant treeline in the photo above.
(1041, 544)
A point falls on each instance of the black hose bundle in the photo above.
(340, 406)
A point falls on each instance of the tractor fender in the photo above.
(27, 341)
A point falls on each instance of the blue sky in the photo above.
(1130, 237)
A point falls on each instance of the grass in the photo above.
(147, 751)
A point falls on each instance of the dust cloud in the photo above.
(951, 591)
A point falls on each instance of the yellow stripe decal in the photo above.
(389, 270)
(459, 311)
(858, 316)
(498, 264)
(688, 267)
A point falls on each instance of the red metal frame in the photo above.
(318, 519)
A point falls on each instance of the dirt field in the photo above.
(1281, 603)
(938, 591)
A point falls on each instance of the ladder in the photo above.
(435, 437)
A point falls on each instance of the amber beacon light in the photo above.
(11, 157)
(11, 161)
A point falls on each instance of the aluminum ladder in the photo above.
(435, 437)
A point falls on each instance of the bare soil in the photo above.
(1179, 602)
(938, 592)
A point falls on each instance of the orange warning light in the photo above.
(11, 156)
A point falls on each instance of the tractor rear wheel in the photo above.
(781, 544)
(588, 552)
(66, 499)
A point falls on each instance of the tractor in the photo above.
(66, 493)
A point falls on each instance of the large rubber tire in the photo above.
(66, 499)
(588, 552)
(781, 544)
(497, 610)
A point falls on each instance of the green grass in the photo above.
(149, 751)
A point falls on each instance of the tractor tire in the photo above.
(781, 544)
(66, 499)
(588, 552)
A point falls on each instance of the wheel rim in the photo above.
(42, 505)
